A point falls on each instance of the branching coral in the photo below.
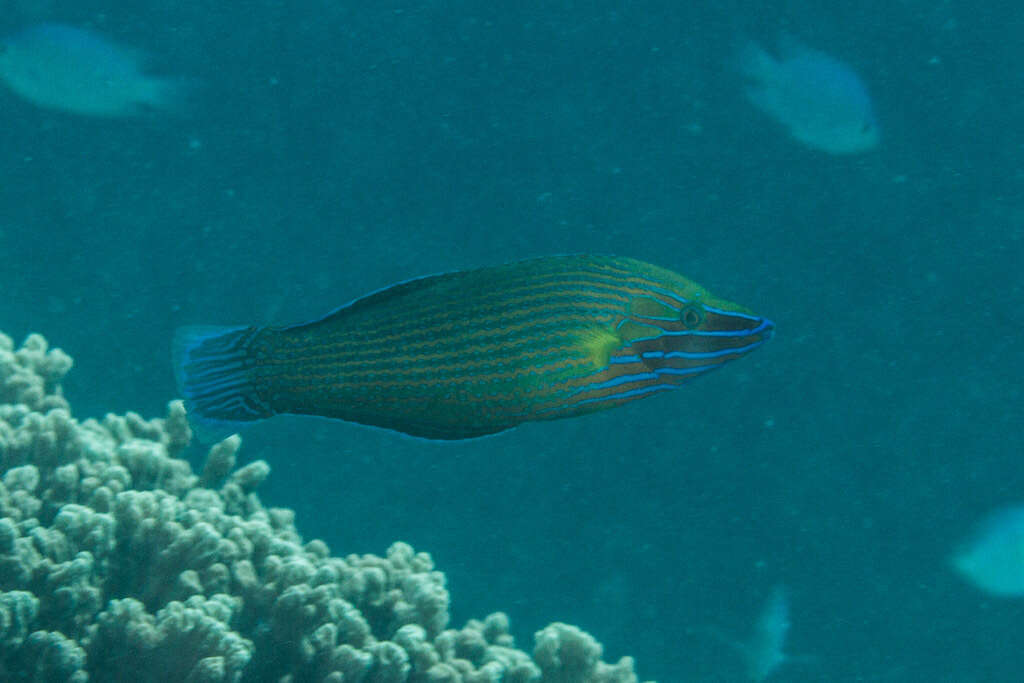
(118, 563)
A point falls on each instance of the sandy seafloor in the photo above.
(333, 148)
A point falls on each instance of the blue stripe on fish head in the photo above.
(685, 337)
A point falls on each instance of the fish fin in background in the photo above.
(754, 62)
(210, 367)
(763, 651)
(992, 559)
(172, 95)
(789, 46)
(760, 69)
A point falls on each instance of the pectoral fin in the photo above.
(599, 344)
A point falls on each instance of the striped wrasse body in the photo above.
(473, 352)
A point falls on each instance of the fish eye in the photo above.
(691, 316)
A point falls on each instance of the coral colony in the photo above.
(118, 562)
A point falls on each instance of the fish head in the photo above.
(684, 331)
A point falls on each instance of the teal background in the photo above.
(331, 149)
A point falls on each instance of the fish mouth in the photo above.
(764, 331)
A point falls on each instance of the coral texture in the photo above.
(119, 563)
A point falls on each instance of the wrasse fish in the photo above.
(469, 353)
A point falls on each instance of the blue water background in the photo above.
(334, 148)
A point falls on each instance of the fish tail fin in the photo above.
(212, 371)
(754, 62)
(169, 95)
(791, 47)
(760, 69)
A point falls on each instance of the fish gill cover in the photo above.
(118, 562)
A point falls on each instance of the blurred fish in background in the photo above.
(992, 559)
(62, 67)
(820, 100)
(763, 651)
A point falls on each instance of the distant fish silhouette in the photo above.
(820, 100)
(764, 650)
(57, 66)
(993, 558)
